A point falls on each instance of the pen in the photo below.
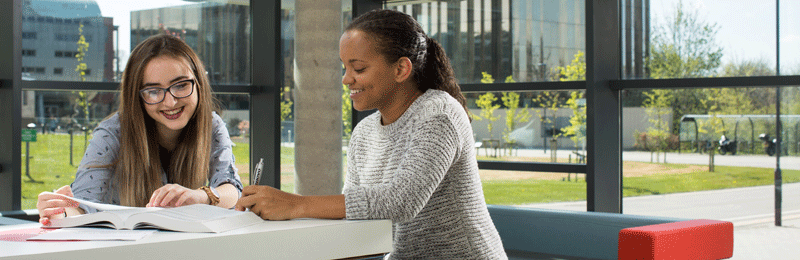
(256, 177)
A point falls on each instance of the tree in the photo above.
(82, 100)
(347, 112)
(684, 47)
(657, 105)
(286, 106)
(576, 70)
(749, 100)
(714, 125)
(747, 68)
(82, 103)
(486, 103)
(577, 123)
(511, 101)
(550, 101)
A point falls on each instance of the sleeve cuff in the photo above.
(355, 202)
(87, 209)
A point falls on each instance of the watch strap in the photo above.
(213, 198)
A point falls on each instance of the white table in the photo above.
(293, 239)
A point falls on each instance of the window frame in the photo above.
(603, 87)
(264, 91)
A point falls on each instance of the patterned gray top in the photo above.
(421, 173)
(96, 184)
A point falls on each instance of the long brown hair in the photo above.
(399, 35)
(138, 166)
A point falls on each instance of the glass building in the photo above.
(51, 34)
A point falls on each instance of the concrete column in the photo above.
(317, 97)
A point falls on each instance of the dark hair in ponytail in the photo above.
(398, 35)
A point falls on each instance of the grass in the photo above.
(544, 191)
(532, 191)
(50, 164)
(724, 177)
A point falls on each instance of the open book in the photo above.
(190, 218)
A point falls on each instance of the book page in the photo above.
(197, 213)
(99, 206)
(111, 218)
(193, 218)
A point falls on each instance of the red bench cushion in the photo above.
(691, 239)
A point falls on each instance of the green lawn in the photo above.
(50, 164)
(543, 191)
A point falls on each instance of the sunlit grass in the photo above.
(543, 191)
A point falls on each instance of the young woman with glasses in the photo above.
(165, 147)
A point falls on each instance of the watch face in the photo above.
(214, 191)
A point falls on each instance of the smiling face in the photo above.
(172, 114)
(371, 80)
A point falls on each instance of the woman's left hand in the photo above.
(174, 195)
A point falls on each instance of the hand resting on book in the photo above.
(174, 195)
(52, 206)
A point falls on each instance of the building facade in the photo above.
(51, 32)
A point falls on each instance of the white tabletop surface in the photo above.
(293, 239)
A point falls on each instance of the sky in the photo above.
(746, 27)
(121, 12)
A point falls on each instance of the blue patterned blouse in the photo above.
(98, 185)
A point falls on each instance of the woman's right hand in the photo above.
(51, 206)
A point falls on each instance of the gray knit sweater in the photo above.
(421, 173)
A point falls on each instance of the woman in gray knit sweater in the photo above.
(413, 161)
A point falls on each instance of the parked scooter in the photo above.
(769, 144)
(726, 146)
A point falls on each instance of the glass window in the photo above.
(526, 40)
(111, 28)
(219, 33)
(535, 126)
(789, 38)
(695, 38)
(287, 108)
(566, 191)
(236, 115)
(29, 35)
(64, 129)
(530, 126)
(716, 140)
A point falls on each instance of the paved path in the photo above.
(787, 162)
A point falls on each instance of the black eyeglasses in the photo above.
(155, 95)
